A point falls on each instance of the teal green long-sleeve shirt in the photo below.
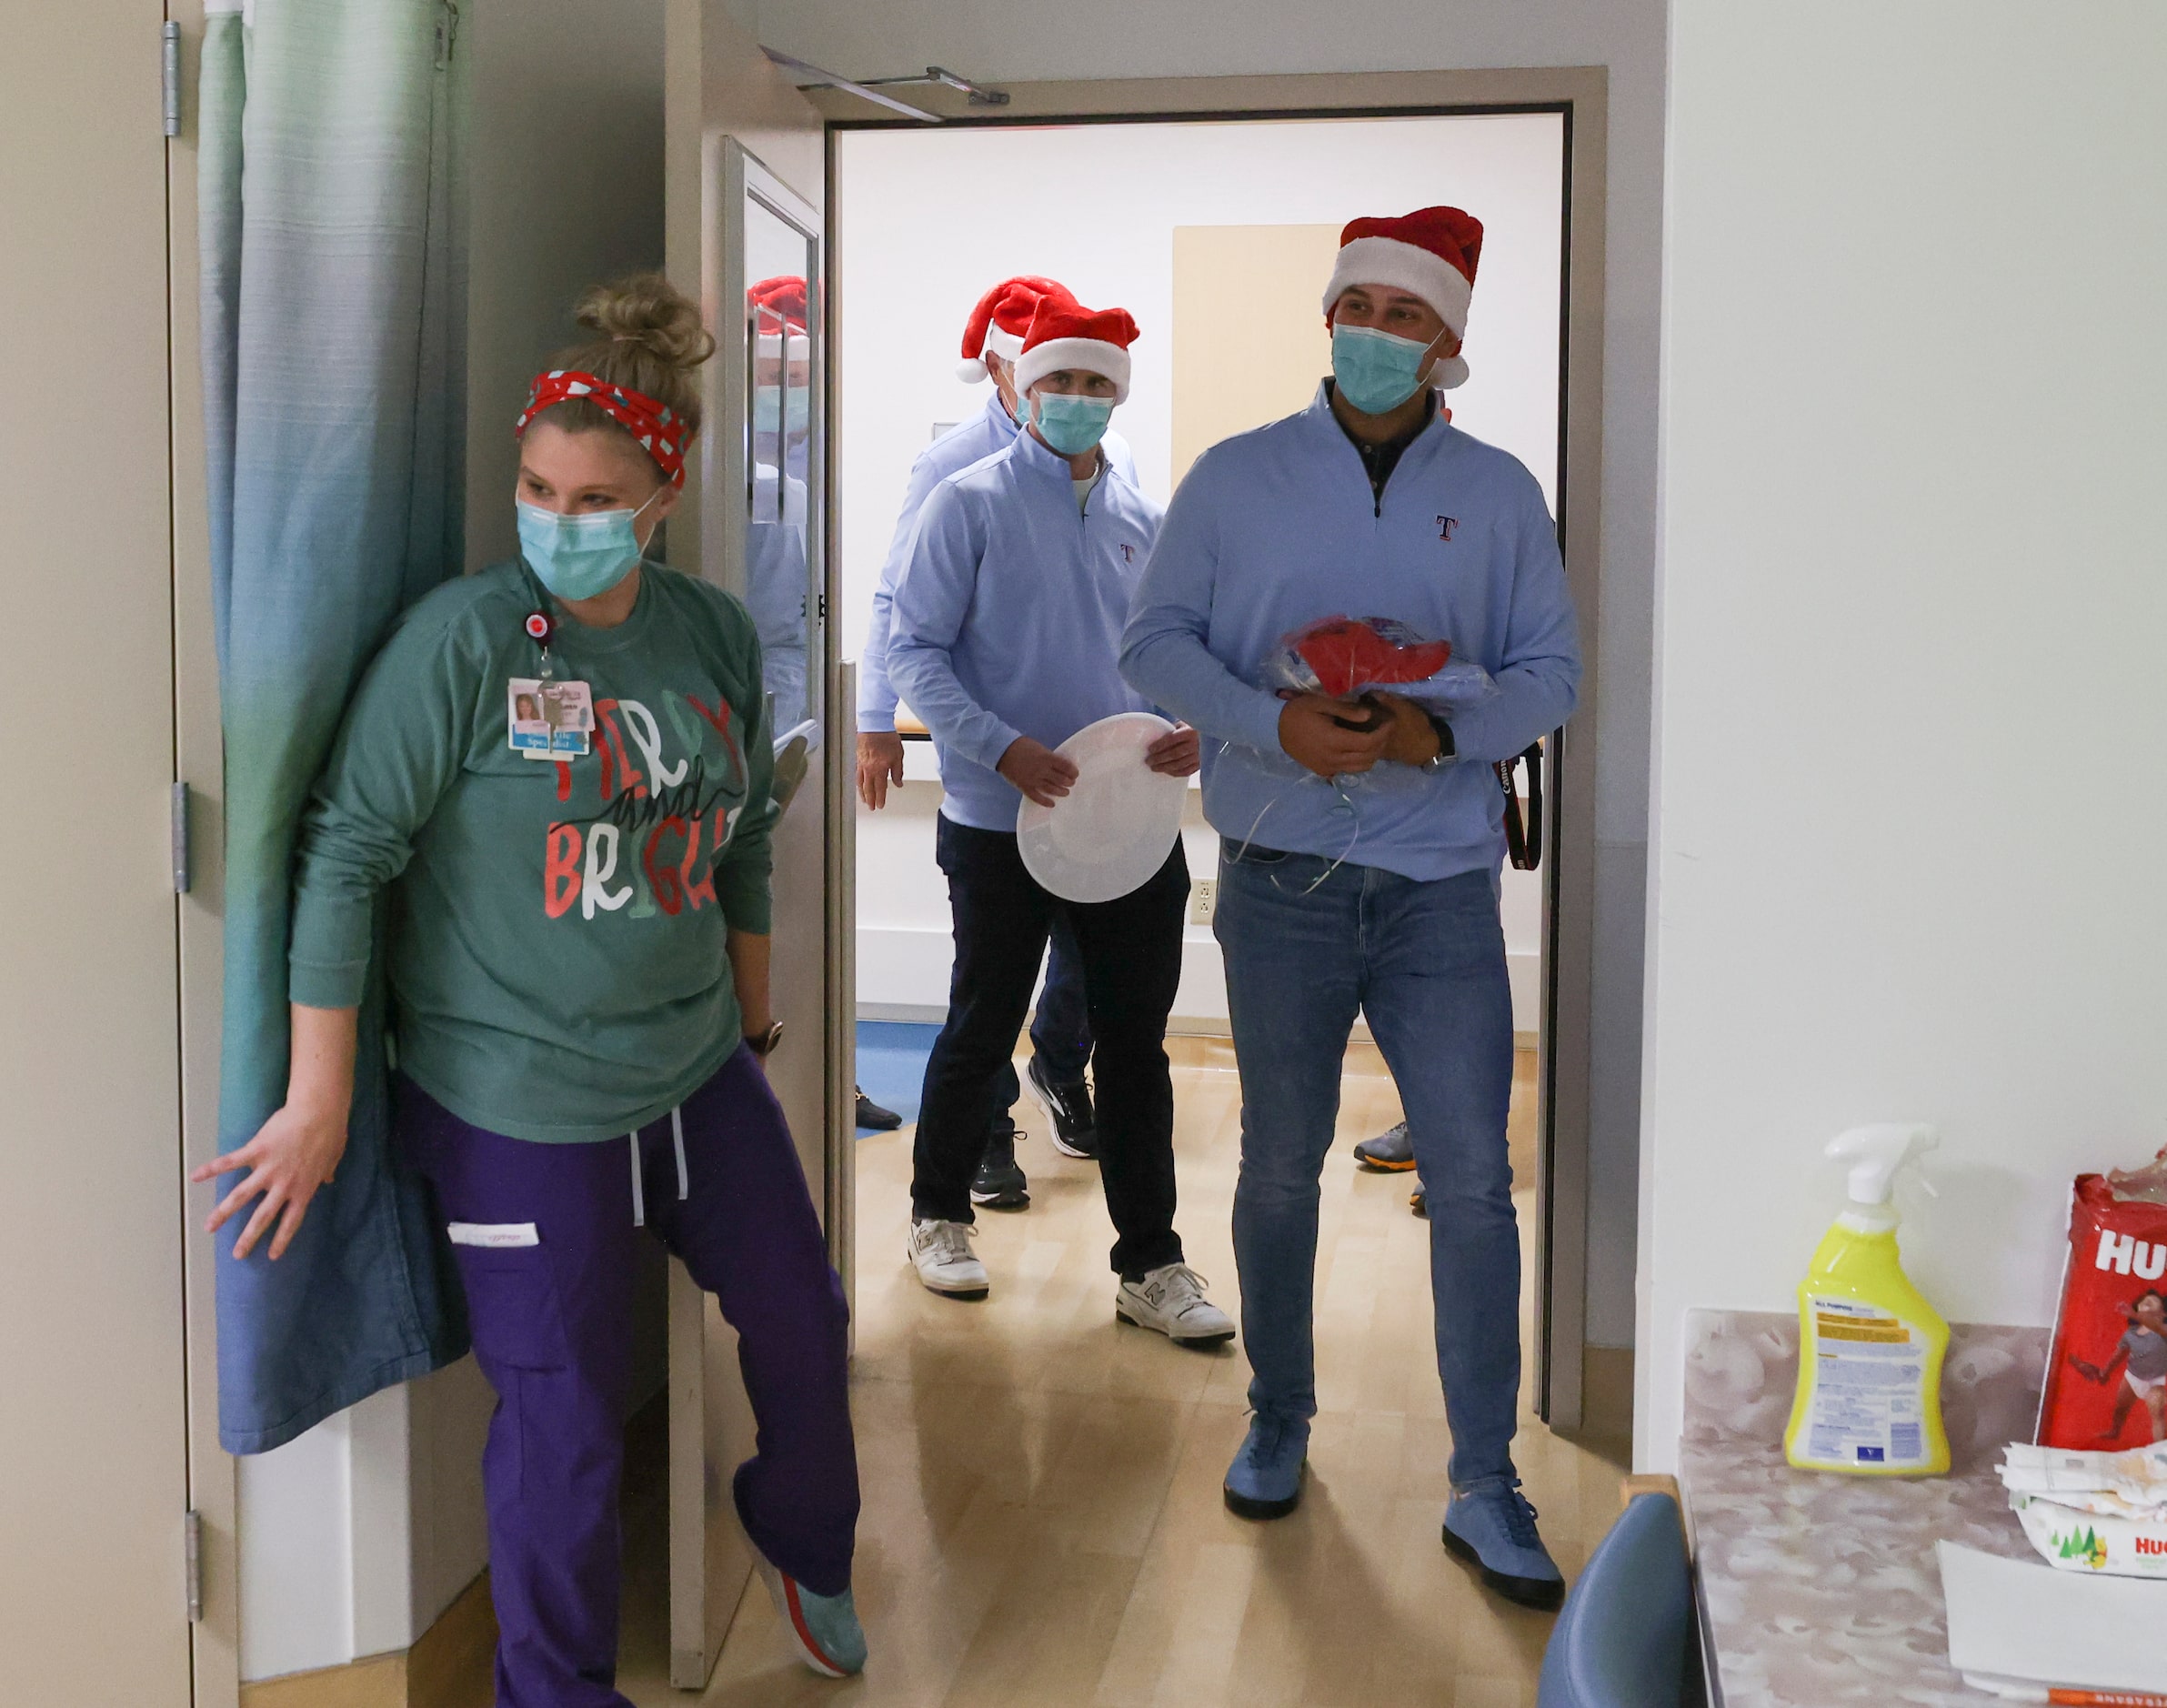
(558, 928)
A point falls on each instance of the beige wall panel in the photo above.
(1250, 339)
(93, 1429)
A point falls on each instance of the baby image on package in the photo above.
(2106, 1382)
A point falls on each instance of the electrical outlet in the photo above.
(1203, 901)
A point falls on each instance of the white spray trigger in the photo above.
(1876, 1153)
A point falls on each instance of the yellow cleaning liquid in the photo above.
(1869, 1346)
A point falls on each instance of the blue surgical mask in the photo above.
(774, 408)
(1069, 423)
(1376, 371)
(580, 556)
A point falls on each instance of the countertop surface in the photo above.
(1820, 1588)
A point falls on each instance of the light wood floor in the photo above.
(1043, 1525)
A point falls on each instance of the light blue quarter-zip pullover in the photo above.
(992, 429)
(1277, 527)
(1008, 618)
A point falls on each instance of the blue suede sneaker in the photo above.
(823, 1629)
(1265, 1478)
(1492, 1525)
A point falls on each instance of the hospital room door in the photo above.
(744, 179)
(93, 1489)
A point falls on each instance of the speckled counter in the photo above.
(1818, 1589)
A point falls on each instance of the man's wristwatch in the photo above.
(1446, 749)
(762, 1044)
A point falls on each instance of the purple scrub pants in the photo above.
(553, 1333)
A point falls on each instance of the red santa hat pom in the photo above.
(780, 301)
(1067, 335)
(998, 325)
(1429, 253)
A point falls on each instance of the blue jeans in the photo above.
(1426, 963)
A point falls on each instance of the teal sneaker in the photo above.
(1265, 1478)
(1491, 1525)
(823, 1629)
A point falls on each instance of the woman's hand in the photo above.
(1043, 774)
(297, 1151)
(1176, 753)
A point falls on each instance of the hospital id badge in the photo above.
(550, 719)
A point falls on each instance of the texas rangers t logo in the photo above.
(1445, 525)
(1128, 552)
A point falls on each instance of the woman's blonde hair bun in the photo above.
(649, 338)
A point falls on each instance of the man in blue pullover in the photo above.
(1060, 1030)
(1006, 627)
(1360, 867)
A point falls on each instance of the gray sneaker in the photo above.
(1391, 1152)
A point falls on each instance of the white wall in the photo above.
(354, 1537)
(1147, 38)
(1912, 616)
(895, 195)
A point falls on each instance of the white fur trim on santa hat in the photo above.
(1094, 356)
(771, 344)
(1007, 346)
(1404, 267)
(1449, 372)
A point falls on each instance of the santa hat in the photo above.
(998, 324)
(781, 298)
(1067, 335)
(1429, 253)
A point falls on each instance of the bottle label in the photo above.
(1869, 1375)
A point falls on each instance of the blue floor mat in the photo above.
(891, 1064)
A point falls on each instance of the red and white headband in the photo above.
(659, 429)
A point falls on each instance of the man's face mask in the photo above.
(1376, 371)
(780, 408)
(580, 557)
(1069, 423)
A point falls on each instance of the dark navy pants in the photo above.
(544, 1236)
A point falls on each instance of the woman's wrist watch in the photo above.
(763, 1043)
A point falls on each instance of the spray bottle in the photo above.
(1869, 1346)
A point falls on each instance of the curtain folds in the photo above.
(333, 293)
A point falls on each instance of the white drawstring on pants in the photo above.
(677, 1135)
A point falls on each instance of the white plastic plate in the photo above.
(1114, 829)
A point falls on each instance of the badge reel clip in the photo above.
(547, 719)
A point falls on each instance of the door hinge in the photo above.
(192, 1545)
(169, 76)
(180, 840)
(448, 32)
(823, 608)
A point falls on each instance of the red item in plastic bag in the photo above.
(2107, 1372)
(1348, 655)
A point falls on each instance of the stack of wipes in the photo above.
(2092, 1512)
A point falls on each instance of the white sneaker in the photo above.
(1171, 1300)
(940, 1252)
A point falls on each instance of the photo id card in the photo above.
(550, 719)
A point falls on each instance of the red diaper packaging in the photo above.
(1349, 656)
(2106, 1382)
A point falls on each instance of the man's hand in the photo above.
(1043, 774)
(1176, 753)
(879, 763)
(1314, 738)
(1410, 739)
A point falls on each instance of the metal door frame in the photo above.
(1580, 94)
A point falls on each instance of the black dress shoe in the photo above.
(870, 1114)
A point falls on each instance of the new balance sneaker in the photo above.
(823, 1629)
(1171, 1300)
(1068, 1107)
(1492, 1526)
(1392, 1152)
(1265, 1478)
(940, 1252)
(873, 1115)
(999, 1184)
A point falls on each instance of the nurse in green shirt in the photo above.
(578, 916)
